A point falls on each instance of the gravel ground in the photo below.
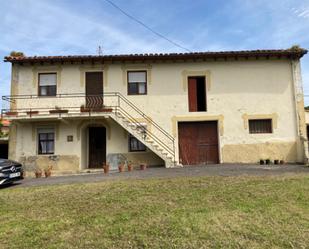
(191, 171)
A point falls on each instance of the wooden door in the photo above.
(198, 142)
(97, 147)
(192, 94)
(94, 89)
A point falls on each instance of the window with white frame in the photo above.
(47, 84)
(46, 141)
(137, 82)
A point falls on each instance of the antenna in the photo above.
(99, 50)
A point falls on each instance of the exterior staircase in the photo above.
(116, 106)
(154, 137)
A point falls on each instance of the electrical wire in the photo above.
(146, 26)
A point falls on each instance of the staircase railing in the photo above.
(119, 103)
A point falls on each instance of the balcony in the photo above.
(111, 104)
(20, 107)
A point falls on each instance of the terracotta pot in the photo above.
(106, 168)
(58, 111)
(102, 109)
(11, 113)
(121, 168)
(130, 167)
(38, 174)
(47, 173)
(143, 166)
(32, 113)
(84, 109)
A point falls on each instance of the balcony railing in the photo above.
(79, 104)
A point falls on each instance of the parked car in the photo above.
(10, 171)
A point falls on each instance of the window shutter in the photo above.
(48, 79)
(137, 77)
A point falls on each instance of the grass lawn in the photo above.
(206, 212)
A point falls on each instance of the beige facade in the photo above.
(236, 91)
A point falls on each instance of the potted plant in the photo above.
(267, 161)
(143, 166)
(11, 113)
(106, 168)
(276, 161)
(84, 109)
(38, 173)
(58, 110)
(262, 162)
(281, 162)
(32, 112)
(130, 166)
(47, 172)
(121, 167)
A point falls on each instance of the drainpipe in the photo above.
(300, 110)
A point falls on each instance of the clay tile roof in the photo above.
(290, 53)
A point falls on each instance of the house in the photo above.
(77, 112)
(4, 138)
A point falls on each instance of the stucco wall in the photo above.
(235, 89)
(73, 156)
(307, 117)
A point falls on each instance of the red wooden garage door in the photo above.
(198, 142)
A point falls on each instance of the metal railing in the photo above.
(77, 103)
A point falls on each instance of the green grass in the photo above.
(206, 212)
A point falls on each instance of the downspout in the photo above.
(299, 110)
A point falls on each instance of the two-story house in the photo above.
(77, 112)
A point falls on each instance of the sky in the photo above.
(71, 27)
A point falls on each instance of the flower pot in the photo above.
(262, 162)
(106, 168)
(267, 161)
(121, 168)
(130, 167)
(32, 113)
(58, 111)
(143, 166)
(102, 110)
(47, 173)
(38, 174)
(11, 113)
(276, 162)
(281, 162)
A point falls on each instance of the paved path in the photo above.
(205, 170)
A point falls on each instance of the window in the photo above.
(47, 84)
(46, 141)
(260, 126)
(137, 82)
(135, 144)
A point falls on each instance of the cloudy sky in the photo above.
(63, 27)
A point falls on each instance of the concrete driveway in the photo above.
(190, 171)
